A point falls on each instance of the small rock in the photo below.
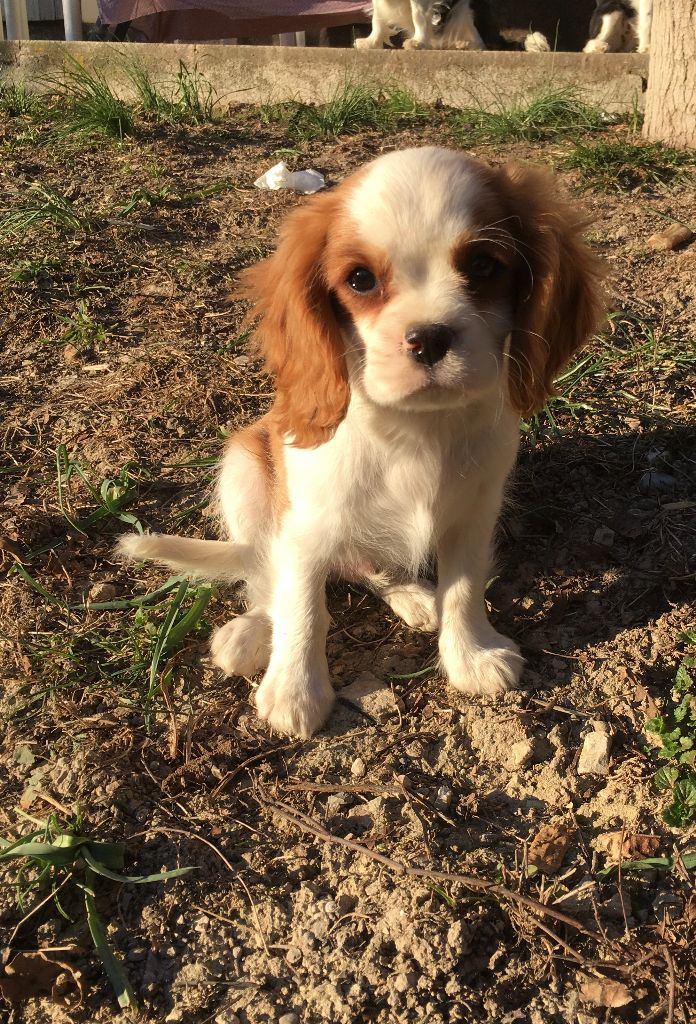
(225, 1018)
(604, 536)
(599, 725)
(293, 955)
(519, 755)
(102, 592)
(594, 756)
(357, 769)
(337, 803)
(654, 482)
(69, 354)
(670, 238)
(370, 694)
(405, 982)
(289, 1018)
(443, 797)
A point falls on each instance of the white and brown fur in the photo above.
(395, 421)
(427, 24)
(620, 26)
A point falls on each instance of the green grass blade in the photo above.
(114, 969)
(100, 869)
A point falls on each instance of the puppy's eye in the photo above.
(481, 267)
(362, 280)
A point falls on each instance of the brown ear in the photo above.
(559, 300)
(298, 335)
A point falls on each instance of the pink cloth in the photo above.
(243, 17)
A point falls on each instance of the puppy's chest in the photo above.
(398, 514)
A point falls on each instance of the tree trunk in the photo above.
(670, 107)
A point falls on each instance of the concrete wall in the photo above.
(252, 74)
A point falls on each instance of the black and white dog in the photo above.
(620, 26)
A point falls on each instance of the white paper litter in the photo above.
(299, 181)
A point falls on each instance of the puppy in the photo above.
(410, 317)
(438, 24)
(620, 26)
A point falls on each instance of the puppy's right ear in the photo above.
(298, 334)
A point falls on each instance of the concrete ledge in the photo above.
(259, 74)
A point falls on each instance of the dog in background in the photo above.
(620, 26)
(427, 24)
(410, 317)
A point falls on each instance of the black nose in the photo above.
(429, 342)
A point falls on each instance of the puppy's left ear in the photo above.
(560, 301)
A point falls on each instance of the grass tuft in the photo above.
(193, 98)
(86, 105)
(618, 166)
(355, 107)
(55, 855)
(555, 112)
(15, 101)
(675, 732)
(44, 205)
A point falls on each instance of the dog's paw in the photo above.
(415, 604)
(295, 702)
(364, 44)
(596, 46)
(242, 646)
(490, 668)
(413, 44)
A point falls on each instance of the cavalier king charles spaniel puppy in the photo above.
(409, 317)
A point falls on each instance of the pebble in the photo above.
(594, 756)
(405, 982)
(293, 955)
(357, 769)
(670, 238)
(289, 1018)
(443, 797)
(69, 353)
(520, 754)
(654, 482)
(226, 1018)
(604, 536)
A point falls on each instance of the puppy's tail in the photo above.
(200, 559)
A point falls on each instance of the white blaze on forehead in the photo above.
(414, 201)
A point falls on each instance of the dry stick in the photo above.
(672, 984)
(303, 822)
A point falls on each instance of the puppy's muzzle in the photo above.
(429, 343)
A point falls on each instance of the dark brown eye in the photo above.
(362, 280)
(481, 267)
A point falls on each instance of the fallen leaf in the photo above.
(34, 974)
(549, 846)
(604, 992)
(620, 846)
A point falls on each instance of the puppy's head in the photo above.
(426, 280)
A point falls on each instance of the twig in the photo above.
(226, 779)
(304, 822)
(672, 984)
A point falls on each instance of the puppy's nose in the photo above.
(429, 342)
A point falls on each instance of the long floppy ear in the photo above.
(560, 300)
(298, 334)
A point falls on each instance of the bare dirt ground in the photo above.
(122, 354)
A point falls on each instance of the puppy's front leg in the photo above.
(475, 658)
(295, 695)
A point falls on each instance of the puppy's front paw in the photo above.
(296, 701)
(242, 646)
(596, 46)
(364, 44)
(490, 668)
(415, 604)
(413, 44)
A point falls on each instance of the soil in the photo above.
(289, 916)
